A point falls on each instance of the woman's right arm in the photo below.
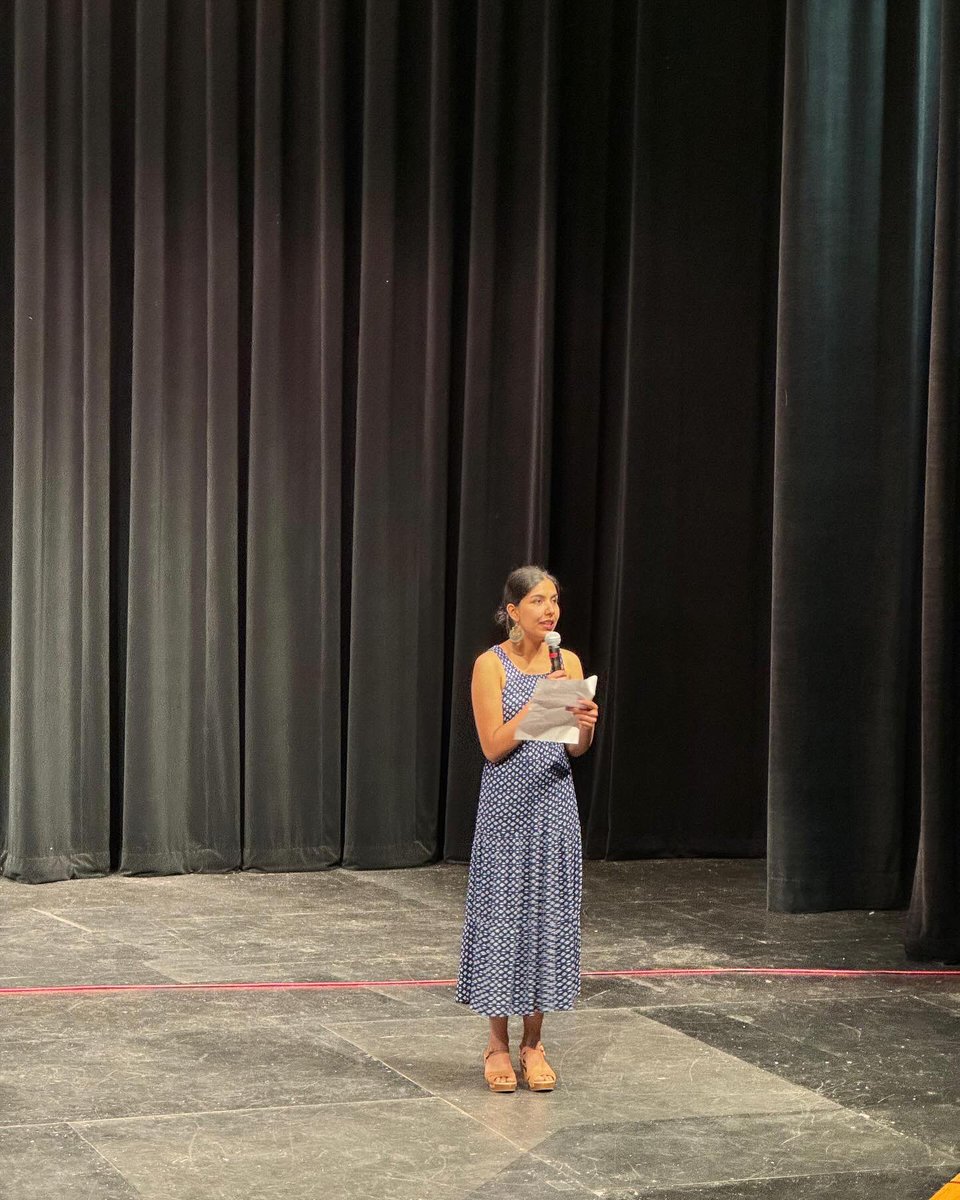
(496, 735)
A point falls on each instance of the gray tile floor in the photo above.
(671, 1088)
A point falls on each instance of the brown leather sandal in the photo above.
(538, 1075)
(499, 1080)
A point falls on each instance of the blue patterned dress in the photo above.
(520, 951)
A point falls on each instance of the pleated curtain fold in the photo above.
(317, 317)
(863, 729)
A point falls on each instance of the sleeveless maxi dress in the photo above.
(520, 951)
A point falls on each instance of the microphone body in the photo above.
(553, 646)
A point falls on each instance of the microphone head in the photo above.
(553, 638)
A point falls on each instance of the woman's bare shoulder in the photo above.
(572, 659)
(488, 665)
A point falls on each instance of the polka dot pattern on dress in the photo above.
(520, 951)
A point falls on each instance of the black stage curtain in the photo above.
(863, 714)
(318, 316)
(933, 928)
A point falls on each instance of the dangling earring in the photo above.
(516, 633)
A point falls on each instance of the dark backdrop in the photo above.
(863, 714)
(318, 316)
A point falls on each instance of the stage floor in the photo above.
(672, 1086)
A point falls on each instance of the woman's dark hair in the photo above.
(519, 583)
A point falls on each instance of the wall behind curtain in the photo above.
(316, 318)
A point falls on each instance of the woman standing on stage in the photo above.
(520, 953)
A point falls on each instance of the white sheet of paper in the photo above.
(548, 719)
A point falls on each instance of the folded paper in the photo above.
(547, 719)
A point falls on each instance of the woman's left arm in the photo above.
(585, 711)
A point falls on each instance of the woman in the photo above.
(521, 936)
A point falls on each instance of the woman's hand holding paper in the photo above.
(555, 710)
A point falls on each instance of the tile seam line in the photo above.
(190, 1114)
(79, 1123)
(357, 984)
(522, 1151)
(104, 1159)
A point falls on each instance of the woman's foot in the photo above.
(538, 1075)
(498, 1069)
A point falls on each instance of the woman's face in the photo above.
(539, 611)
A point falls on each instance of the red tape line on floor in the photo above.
(341, 984)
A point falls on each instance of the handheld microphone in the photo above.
(553, 645)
